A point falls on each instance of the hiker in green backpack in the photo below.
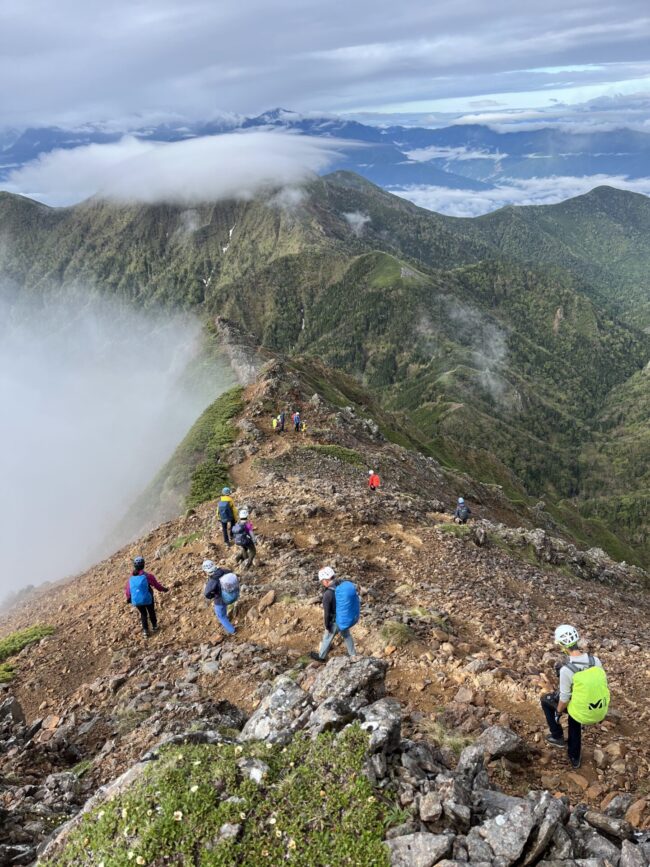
(583, 694)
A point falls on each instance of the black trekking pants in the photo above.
(226, 527)
(574, 737)
(147, 612)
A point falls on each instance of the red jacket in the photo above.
(151, 581)
(374, 481)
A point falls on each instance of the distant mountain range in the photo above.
(515, 345)
(470, 157)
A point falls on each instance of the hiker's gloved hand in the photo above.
(558, 717)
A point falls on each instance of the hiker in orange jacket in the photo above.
(374, 482)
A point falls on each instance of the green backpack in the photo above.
(589, 695)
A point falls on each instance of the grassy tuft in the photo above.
(14, 643)
(314, 808)
(397, 634)
(442, 737)
(182, 541)
(339, 453)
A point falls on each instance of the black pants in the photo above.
(574, 738)
(150, 612)
(226, 527)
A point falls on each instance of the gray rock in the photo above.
(229, 831)
(430, 807)
(490, 803)
(383, 719)
(471, 766)
(632, 855)
(501, 742)
(419, 850)
(619, 805)
(553, 813)
(508, 834)
(420, 759)
(344, 677)
(282, 713)
(609, 825)
(594, 845)
(12, 707)
(210, 667)
(333, 714)
(254, 769)
(561, 847)
(477, 848)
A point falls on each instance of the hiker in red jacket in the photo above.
(374, 482)
(138, 592)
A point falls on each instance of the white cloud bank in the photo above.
(236, 165)
(532, 191)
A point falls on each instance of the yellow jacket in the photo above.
(226, 499)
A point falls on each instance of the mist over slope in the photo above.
(94, 398)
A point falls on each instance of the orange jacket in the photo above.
(374, 481)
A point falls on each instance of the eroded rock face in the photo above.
(419, 850)
(344, 677)
(282, 713)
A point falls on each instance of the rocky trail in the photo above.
(461, 618)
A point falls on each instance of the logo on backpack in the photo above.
(140, 590)
(589, 694)
(229, 588)
(348, 605)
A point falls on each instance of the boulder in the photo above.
(609, 825)
(632, 855)
(344, 677)
(421, 759)
(282, 713)
(254, 769)
(430, 807)
(12, 707)
(383, 719)
(594, 845)
(419, 850)
(553, 812)
(507, 834)
(500, 742)
(490, 803)
(332, 715)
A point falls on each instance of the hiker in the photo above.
(296, 421)
(303, 426)
(227, 514)
(244, 538)
(275, 424)
(281, 418)
(374, 482)
(462, 512)
(341, 607)
(138, 592)
(583, 694)
(221, 588)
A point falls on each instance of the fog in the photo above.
(94, 398)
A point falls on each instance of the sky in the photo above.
(81, 61)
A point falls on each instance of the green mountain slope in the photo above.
(497, 338)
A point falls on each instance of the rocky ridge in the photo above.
(460, 618)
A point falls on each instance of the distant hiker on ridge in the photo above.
(583, 694)
(281, 420)
(296, 421)
(228, 516)
(222, 589)
(274, 424)
(462, 512)
(244, 537)
(138, 592)
(341, 607)
(374, 482)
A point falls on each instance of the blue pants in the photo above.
(221, 610)
(328, 638)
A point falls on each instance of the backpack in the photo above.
(241, 535)
(229, 588)
(225, 511)
(212, 585)
(348, 605)
(140, 590)
(589, 694)
(463, 513)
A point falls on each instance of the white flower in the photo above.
(178, 816)
(194, 789)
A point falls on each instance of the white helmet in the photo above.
(208, 567)
(371, 472)
(566, 636)
(243, 513)
(326, 574)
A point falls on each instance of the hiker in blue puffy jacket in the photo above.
(344, 595)
(462, 512)
(139, 592)
(215, 593)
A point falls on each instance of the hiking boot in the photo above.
(313, 655)
(575, 763)
(555, 742)
(155, 628)
(145, 633)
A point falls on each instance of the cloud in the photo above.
(234, 165)
(58, 64)
(531, 191)
(423, 155)
(356, 220)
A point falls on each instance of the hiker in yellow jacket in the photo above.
(228, 515)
